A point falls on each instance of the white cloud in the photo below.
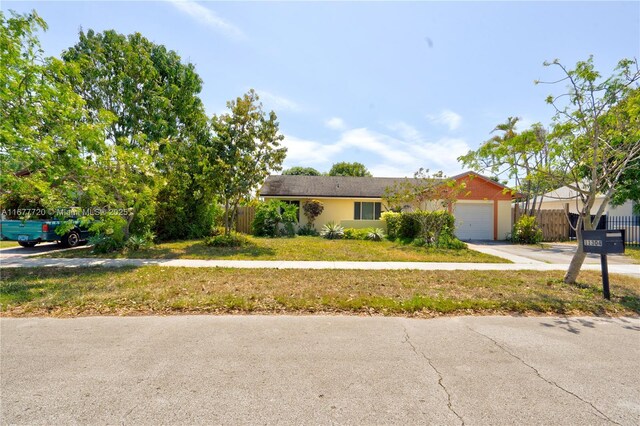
(335, 123)
(524, 123)
(448, 118)
(277, 102)
(208, 17)
(384, 154)
(306, 152)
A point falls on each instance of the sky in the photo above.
(397, 86)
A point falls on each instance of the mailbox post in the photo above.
(604, 242)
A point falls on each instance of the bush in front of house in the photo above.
(275, 219)
(308, 231)
(393, 220)
(107, 234)
(332, 231)
(355, 234)
(423, 228)
(526, 231)
(375, 234)
(232, 240)
(139, 242)
(312, 209)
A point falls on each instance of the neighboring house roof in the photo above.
(341, 186)
(564, 193)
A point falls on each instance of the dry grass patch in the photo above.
(166, 290)
(299, 248)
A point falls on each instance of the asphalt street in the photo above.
(320, 370)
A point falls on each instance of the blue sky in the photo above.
(396, 86)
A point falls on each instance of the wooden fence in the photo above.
(554, 223)
(245, 219)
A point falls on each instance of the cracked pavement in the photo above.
(320, 369)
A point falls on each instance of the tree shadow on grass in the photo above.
(20, 285)
(594, 304)
(250, 250)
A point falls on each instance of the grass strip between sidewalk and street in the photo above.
(161, 290)
(298, 248)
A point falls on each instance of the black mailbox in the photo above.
(604, 241)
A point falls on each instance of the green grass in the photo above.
(299, 248)
(166, 290)
(633, 252)
(8, 244)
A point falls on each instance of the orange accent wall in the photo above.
(479, 188)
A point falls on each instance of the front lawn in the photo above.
(299, 248)
(633, 252)
(8, 244)
(169, 290)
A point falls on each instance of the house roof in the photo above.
(327, 186)
(339, 186)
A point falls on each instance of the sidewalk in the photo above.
(632, 270)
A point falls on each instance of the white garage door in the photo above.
(474, 221)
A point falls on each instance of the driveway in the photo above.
(310, 370)
(20, 252)
(554, 253)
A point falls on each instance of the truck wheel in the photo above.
(27, 244)
(72, 239)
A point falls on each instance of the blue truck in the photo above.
(28, 233)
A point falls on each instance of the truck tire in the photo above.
(72, 239)
(27, 244)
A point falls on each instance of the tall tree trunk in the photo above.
(227, 225)
(577, 260)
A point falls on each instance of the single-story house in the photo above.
(559, 198)
(482, 212)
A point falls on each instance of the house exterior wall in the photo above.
(337, 210)
(623, 210)
(505, 220)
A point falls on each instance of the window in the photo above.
(366, 211)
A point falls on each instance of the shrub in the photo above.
(104, 244)
(312, 209)
(526, 231)
(375, 234)
(332, 231)
(232, 240)
(308, 231)
(428, 225)
(392, 219)
(137, 242)
(270, 215)
(355, 234)
(409, 226)
(107, 234)
(216, 230)
(449, 242)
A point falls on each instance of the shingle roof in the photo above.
(327, 186)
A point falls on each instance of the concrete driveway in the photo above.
(21, 252)
(555, 253)
(310, 370)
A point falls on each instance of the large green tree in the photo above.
(243, 149)
(522, 157)
(158, 120)
(349, 169)
(47, 141)
(594, 141)
(301, 171)
(628, 187)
